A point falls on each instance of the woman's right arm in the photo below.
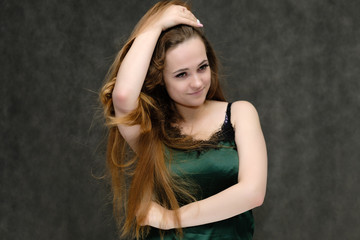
(132, 72)
(129, 81)
(134, 67)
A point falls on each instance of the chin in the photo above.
(191, 102)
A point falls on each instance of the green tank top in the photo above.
(212, 170)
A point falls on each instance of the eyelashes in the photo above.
(202, 68)
(181, 75)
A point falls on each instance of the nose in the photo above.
(196, 81)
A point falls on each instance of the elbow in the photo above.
(257, 197)
(120, 96)
(122, 101)
(258, 200)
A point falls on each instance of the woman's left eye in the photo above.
(203, 67)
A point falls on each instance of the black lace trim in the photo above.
(225, 134)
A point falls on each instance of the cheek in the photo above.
(170, 88)
(176, 91)
(173, 88)
(209, 79)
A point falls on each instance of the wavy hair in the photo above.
(150, 178)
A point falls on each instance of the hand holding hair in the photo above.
(158, 217)
(174, 15)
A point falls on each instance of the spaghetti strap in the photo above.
(227, 130)
(228, 113)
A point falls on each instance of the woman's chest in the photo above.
(212, 170)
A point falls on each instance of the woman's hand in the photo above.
(172, 16)
(159, 217)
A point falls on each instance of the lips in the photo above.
(197, 92)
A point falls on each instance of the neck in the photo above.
(191, 114)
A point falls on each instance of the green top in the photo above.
(212, 170)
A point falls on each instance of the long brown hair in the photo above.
(156, 113)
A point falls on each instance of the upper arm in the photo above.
(130, 133)
(251, 145)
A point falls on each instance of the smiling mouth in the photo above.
(197, 92)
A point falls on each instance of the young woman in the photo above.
(199, 163)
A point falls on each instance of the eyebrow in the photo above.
(184, 69)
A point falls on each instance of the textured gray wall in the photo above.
(296, 61)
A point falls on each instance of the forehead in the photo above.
(186, 54)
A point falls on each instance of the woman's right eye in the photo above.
(181, 75)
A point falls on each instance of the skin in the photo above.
(187, 74)
(131, 76)
(188, 88)
(187, 77)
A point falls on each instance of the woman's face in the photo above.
(187, 73)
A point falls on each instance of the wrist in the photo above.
(170, 220)
(152, 30)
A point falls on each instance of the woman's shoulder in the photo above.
(242, 105)
(243, 112)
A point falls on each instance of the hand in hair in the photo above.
(172, 16)
(132, 70)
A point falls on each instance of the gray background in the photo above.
(296, 61)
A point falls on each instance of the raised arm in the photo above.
(133, 69)
(247, 194)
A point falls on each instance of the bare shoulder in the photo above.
(243, 106)
(244, 114)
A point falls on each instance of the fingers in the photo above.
(189, 18)
(172, 16)
(176, 15)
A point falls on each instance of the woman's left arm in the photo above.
(247, 194)
(250, 190)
